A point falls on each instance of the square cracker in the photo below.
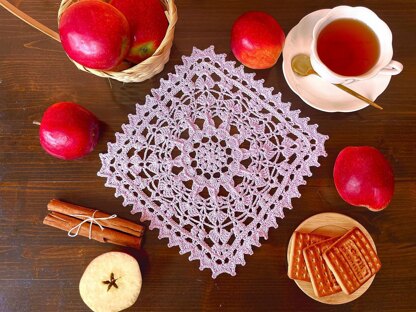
(297, 267)
(353, 260)
(323, 281)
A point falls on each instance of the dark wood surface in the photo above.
(40, 267)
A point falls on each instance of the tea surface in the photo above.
(348, 47)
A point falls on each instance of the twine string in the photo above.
(91, 219)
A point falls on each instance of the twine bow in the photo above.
(90, 219)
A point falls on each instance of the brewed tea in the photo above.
(348, 47)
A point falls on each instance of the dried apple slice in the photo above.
(111, 282)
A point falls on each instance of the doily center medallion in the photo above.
(211, 159)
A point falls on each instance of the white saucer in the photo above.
(315, 91)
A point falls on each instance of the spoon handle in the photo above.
(357, 95)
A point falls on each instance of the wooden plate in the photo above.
(331, 224)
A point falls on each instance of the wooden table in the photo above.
(41, 267)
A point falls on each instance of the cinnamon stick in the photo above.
(117, 223)
(117, 231)
(63, 222)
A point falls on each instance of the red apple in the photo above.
(148, 26)
(68, 130)
(363, 177)
(257, 40)
(94, 34)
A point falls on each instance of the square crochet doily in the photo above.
(211, 159)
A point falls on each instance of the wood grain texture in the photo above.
(41, 267)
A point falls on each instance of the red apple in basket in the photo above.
(363, 177)
(257, 40)
(148, 26)
(94, 34)
(68, 130)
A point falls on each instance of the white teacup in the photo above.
(384, 65)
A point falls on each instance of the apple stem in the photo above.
(36, 123)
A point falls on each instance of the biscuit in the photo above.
(297, 267)
(353, 260)
(323, 281)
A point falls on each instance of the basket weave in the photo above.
(149, 67)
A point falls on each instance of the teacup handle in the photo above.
(393, 68)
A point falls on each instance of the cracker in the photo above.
(353, 260)
(297, 267)
(323, 281)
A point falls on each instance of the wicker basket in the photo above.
(140, 72)
(149, 67)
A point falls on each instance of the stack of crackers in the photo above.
(333, 264)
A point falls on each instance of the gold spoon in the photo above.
(301, 65)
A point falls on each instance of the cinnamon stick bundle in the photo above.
(117, 231)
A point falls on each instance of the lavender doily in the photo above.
(211, 159)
